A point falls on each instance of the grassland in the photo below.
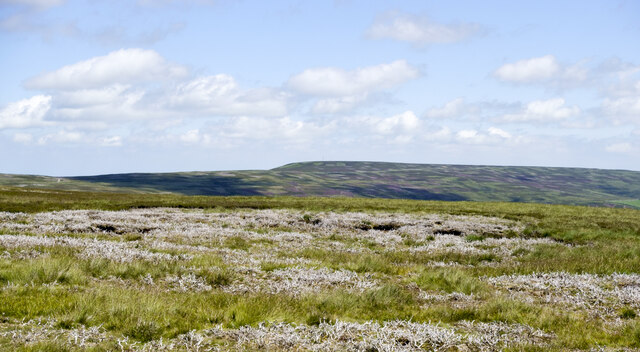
(111, 271)
(375, 180)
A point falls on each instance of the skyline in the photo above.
(163, 86)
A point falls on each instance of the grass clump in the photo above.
(628, 313)
(450, 280)
(237, 242)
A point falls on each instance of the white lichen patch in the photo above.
(186, 283)
(243, 260)
(600, 294)
(22, 254)
(502, 247)
(89, 248)
(41, 330)
(197, 226)
(395, 335)
(297, 280)
(490, 336)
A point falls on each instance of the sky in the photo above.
(94, 87)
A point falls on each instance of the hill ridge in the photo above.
(372, 179)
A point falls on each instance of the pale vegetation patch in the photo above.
(394, 335)
(601, 294)
(298, 280)
(89, 248)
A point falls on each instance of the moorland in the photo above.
(125, 271)
(549, 185)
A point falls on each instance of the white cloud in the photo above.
(493, 135)
(619, 148)
(544, 111)
(405, 122)
(91, 97)
(420, 30)
(452, 108)
(335, 82)
(494, 131)
(191, 136)
(461, 110)
(401, 127)
(471, 136)
(26, 113)
(125, 66)
(443, 134)
(530, 70)
(623, 105)
(112, 141)
(621, 108)
(109, 104)
(61, 137)
(340, 104)
(221, 95)
(283, 129)
(543, 70)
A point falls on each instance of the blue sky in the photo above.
(91, 87)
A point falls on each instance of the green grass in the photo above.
(97, 292)
(634, 203)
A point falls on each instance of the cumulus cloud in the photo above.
(25, 113)
(339, 90)
(623, 103)
(253, 130)
(125, 66)
(340, 104)
(493, 135)
(91, 97)
(461, 110)
(110, 141)
(404, 124)
(109, 104)
(221, 95)
(333, 82)
(542, 70)
(494, 131)
(134, 84)
(543, 111)
(536, 69)
(621, 108)
(453, 108)
(61, 137)
(420, 30)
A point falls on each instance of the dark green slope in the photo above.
(375, 179)
(397, 180)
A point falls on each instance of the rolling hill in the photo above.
(552, 185)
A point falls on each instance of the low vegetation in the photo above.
(107, 271)
(551, 185)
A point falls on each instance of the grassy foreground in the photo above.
(257, 273)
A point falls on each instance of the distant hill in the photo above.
(552, 185)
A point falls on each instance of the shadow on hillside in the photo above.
(207, 185)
